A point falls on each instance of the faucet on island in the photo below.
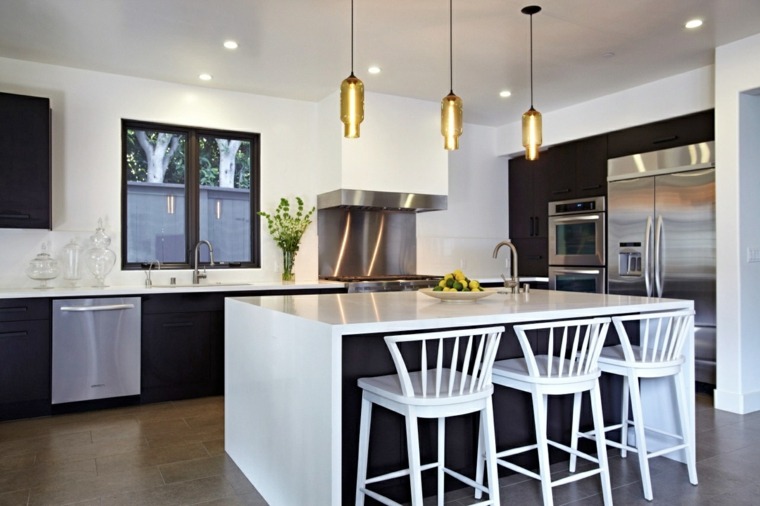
(512, 284)
(197, 276)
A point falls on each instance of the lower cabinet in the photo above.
(24, 358)
(182, 347)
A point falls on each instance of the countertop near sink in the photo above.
(91, 291)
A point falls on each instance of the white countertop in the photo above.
(373, 312)
(111, 291)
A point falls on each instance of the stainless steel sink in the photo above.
(200, 285)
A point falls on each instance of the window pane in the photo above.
(156, 196)
(225, 197)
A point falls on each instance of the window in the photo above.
(182, 185)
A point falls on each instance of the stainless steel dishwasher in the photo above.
(96, 348)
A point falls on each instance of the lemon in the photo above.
(474, 284)
(442, 283)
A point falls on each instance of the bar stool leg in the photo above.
(361, 471)
(686, 428)
(540, 404)
(641, 442)
(575, 428)
(413, 451)
(624, 417)
(441, 457)
(601, 444)
(488, 430)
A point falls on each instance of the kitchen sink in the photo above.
(200, 285)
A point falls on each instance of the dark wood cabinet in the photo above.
(527, 198)
(680, 131)
(24, 358)
(25, 164)
(182, 346)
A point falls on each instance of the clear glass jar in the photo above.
(70, 262)
(99, 258)
(43, 268)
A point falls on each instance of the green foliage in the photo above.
(208, 161)
(287, 229)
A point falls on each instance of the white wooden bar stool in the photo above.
(559, 358)
(658, 355)
(451, 376)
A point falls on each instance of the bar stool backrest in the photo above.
(662, 336)
(573, 347)
(450, 363)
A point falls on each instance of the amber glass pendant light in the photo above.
(351, 95)
(451, 105)
(531, 119)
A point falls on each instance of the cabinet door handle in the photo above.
(665, 139)
(15, 309)
(9, 335)
(13, 216)
(177, 324)
(559, 192)
(594, 187)
(535, 233)
(534, 257)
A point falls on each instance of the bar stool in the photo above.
(659, 355)
(452, 376)
(568, 365)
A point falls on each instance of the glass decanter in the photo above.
(99, 259)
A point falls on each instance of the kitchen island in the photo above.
(291, 363)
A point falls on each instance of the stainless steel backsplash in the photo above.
(361, 242)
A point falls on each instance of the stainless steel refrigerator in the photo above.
(661, 234)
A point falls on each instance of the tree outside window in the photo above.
(184, 184)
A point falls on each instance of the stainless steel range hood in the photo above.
(377, 200)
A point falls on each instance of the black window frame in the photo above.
(192, 192)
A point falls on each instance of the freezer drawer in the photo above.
(96, 349)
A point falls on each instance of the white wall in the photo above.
(463, 236)
(400, 148)
(737, 130)
(673, 96)
(87, 109)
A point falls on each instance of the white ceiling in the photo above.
(300, 49)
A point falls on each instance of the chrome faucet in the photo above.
(513, 283)
(197, 276)
(148, 282)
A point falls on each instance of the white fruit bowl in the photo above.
(456, 296)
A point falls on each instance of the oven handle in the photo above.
(558, 270)
(576, 217)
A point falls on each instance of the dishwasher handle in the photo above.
(110, 307)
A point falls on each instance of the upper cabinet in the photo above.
(25, 162)
(680, 131)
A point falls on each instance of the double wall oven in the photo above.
(577, 250)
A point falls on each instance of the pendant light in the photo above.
(451, 105)
(531, 119)
(351, 95)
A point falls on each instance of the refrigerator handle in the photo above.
(657, 256)
(647, 253)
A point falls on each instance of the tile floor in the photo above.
(173, 453)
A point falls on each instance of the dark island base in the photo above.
(367, 355)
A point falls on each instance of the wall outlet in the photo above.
(753, 255)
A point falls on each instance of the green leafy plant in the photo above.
(285, 228)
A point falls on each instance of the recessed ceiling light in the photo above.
(608, 54)
(693, 23)
(230, 44)
(374, 70)
(205, 77)
(505, 93)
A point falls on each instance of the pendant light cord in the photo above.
(531, 60)
(451, 46)
(352, 38)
